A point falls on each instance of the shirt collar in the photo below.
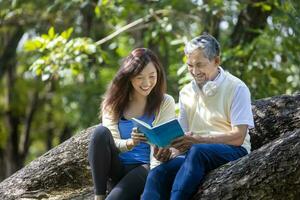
(219, 79)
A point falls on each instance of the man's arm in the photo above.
(234, 137)
(182, 117)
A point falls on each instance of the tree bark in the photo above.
(274, 117)
(271, 171)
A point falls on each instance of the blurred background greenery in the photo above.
(57, 57)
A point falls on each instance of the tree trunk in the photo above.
(7, 59)
(10, 155)
(250, 20)
(271, 171)
(210, 20)
(25, 144)
(2, 164)
(274, 117)
(66, 133)
(50, 126)
(12, 123)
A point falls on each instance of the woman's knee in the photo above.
(101, 134)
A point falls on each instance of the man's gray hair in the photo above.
(205, 42)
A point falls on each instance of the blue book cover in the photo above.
(161, 135)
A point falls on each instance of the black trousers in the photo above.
(126, 181)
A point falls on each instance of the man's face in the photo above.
(201, 68)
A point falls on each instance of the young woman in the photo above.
(117, 153)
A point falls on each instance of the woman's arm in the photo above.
(112, 125)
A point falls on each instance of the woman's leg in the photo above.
(201, 158)
(160, 179)
(104, 160)
(131, 186)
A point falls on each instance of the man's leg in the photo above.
(201, 158)
(160, 179)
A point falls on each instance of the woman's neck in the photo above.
(135, 107)
(137, 98)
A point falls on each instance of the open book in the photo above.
(162, 134)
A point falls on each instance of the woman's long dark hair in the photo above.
(118, 93)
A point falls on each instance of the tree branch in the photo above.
(145, 19)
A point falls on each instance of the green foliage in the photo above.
(270, 64)
(58, 55)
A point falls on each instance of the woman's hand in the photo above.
(135, 139)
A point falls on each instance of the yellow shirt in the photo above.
(211, 114)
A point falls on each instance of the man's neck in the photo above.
(215, 77)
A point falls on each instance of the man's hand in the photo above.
(135, 139)
(185, 142)
(162, 154)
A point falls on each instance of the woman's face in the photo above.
(145, 81)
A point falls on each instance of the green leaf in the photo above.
(38, 71)
(45, 36)
(105, 2)
(266, 7)
(51, 32)
(32, 45)
(97, 11)
(66, 34)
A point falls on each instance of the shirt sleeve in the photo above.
(166, 111)
(183, 117)
(112, 125)
(241, 110)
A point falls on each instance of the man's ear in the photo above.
(217, 60)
